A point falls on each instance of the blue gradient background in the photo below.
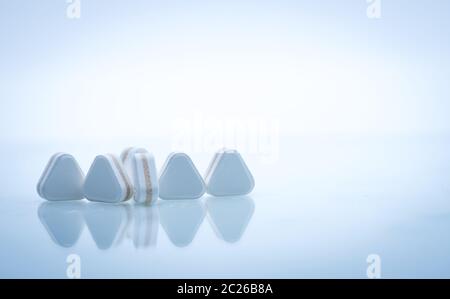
(362, 105)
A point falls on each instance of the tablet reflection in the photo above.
(181, 219)
(109, 225)
(63, 221)
(230, 216)
(145, 226)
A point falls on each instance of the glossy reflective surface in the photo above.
(318, 211)
(373, 177)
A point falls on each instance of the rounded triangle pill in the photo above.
(107, 181)
(180, 178)
(62, 179)
(228, 175)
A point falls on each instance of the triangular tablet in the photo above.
(180, 179)
(144, 178)
(228, 175)
(62, 179)
(107, 181)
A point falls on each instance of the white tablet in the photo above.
(107, 181)
(127, 156)
(62, 179)
(144, 178)
(180, 178)
(228, 175)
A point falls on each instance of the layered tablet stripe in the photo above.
(127, 156)
(145, 180)
(141, 169)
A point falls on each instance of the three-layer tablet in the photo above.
(107, 181)
(180, 178)
(144, 178)
(62, 179)
(228, 175)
